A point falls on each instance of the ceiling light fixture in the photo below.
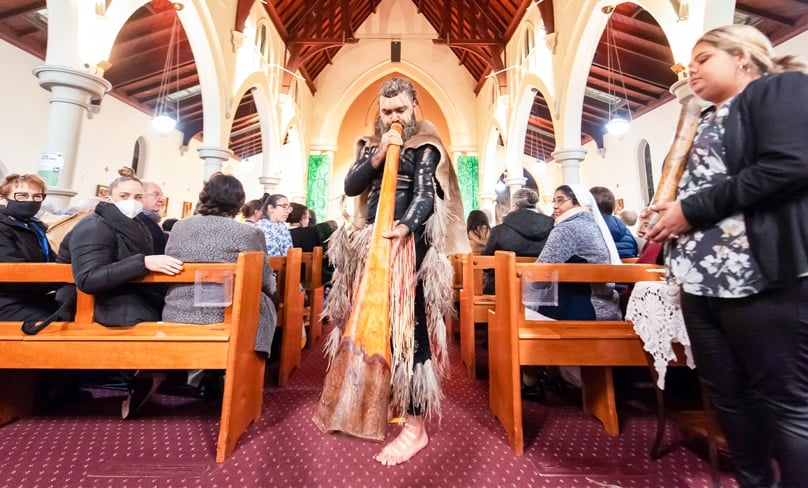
(617, 125)
(164, 120)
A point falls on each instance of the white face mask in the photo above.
(130, 208)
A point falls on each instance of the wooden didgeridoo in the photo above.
(675, 161)
(356, 392)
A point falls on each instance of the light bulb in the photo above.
(500, 187)
(617, 126)
(163, 123)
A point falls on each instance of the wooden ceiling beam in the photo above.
(766, 14)
(30, 7)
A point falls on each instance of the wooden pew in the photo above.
(594, 345)
(451, 320)
(314, 289)
(474, 305)
(85, 344)
(290, 310)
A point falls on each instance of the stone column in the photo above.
(270, 183)
(515, 182)
(488, 203)
(570, 161)
(213, 157)
(74, 95)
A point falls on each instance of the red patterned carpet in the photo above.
(87, 445)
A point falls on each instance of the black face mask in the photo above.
(22, 210)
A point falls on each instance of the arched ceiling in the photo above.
(475, 30)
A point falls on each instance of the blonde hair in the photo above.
(126, 174)
(749, 43)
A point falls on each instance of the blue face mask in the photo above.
(22, 210)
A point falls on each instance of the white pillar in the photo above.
(213, 157)
(570, 161)
(515, 182)
(270, 183)
(488, 203)
(72, 92)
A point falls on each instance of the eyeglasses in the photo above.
(560, 200)
(155, 195)
(23, 197)
(284, 205)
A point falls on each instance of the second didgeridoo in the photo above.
(675, 161)
(356, 392)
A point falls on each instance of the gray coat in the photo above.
(208, 238)
(578, 239)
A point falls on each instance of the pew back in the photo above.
(515, 341)
(85, 344)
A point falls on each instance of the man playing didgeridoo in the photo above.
(428, 224)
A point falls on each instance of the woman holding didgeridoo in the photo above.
(739, 249)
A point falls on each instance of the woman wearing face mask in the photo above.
(108, 249)
(22, 239)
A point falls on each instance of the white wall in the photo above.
(107, 140)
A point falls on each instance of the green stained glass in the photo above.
(468, 177)
(317, 186)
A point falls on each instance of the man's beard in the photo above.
(408, 129)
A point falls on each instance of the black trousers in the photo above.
(421, 333)
(752, 356)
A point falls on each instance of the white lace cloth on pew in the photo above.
(657, 316)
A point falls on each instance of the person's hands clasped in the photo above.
(389, 137)
(671, 222)
(163, 264)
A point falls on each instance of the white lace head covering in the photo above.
(585, 199)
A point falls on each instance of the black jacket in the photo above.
(522, 231)
(107, 250)
(766, 149)
(156, 232)
(20, 243)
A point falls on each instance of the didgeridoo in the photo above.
(356, 392)
(675, 161)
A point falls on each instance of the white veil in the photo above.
(587, 200)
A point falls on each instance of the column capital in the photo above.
(684, 94)
(217, 152)
(51, 77)
(567, 153)
(323, 148)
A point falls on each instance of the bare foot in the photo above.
(409, 442)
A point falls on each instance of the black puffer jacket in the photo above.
(20, 243)
(107, 251)
(522, 231)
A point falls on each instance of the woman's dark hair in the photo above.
(271, 201)
(477, 219)
(222, 195)
(567, 191)
(250, 207)
(604, 198)
(168, 224)
(297, 213)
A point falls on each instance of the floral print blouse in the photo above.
(277, 235)
(716, 261)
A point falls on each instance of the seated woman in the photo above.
(212, 235)
(580, 236)
(23, 240)
(107, 250)
(477, 228)
(273, 224)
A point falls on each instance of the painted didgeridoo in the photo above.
(675, 161)
(356, 392)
